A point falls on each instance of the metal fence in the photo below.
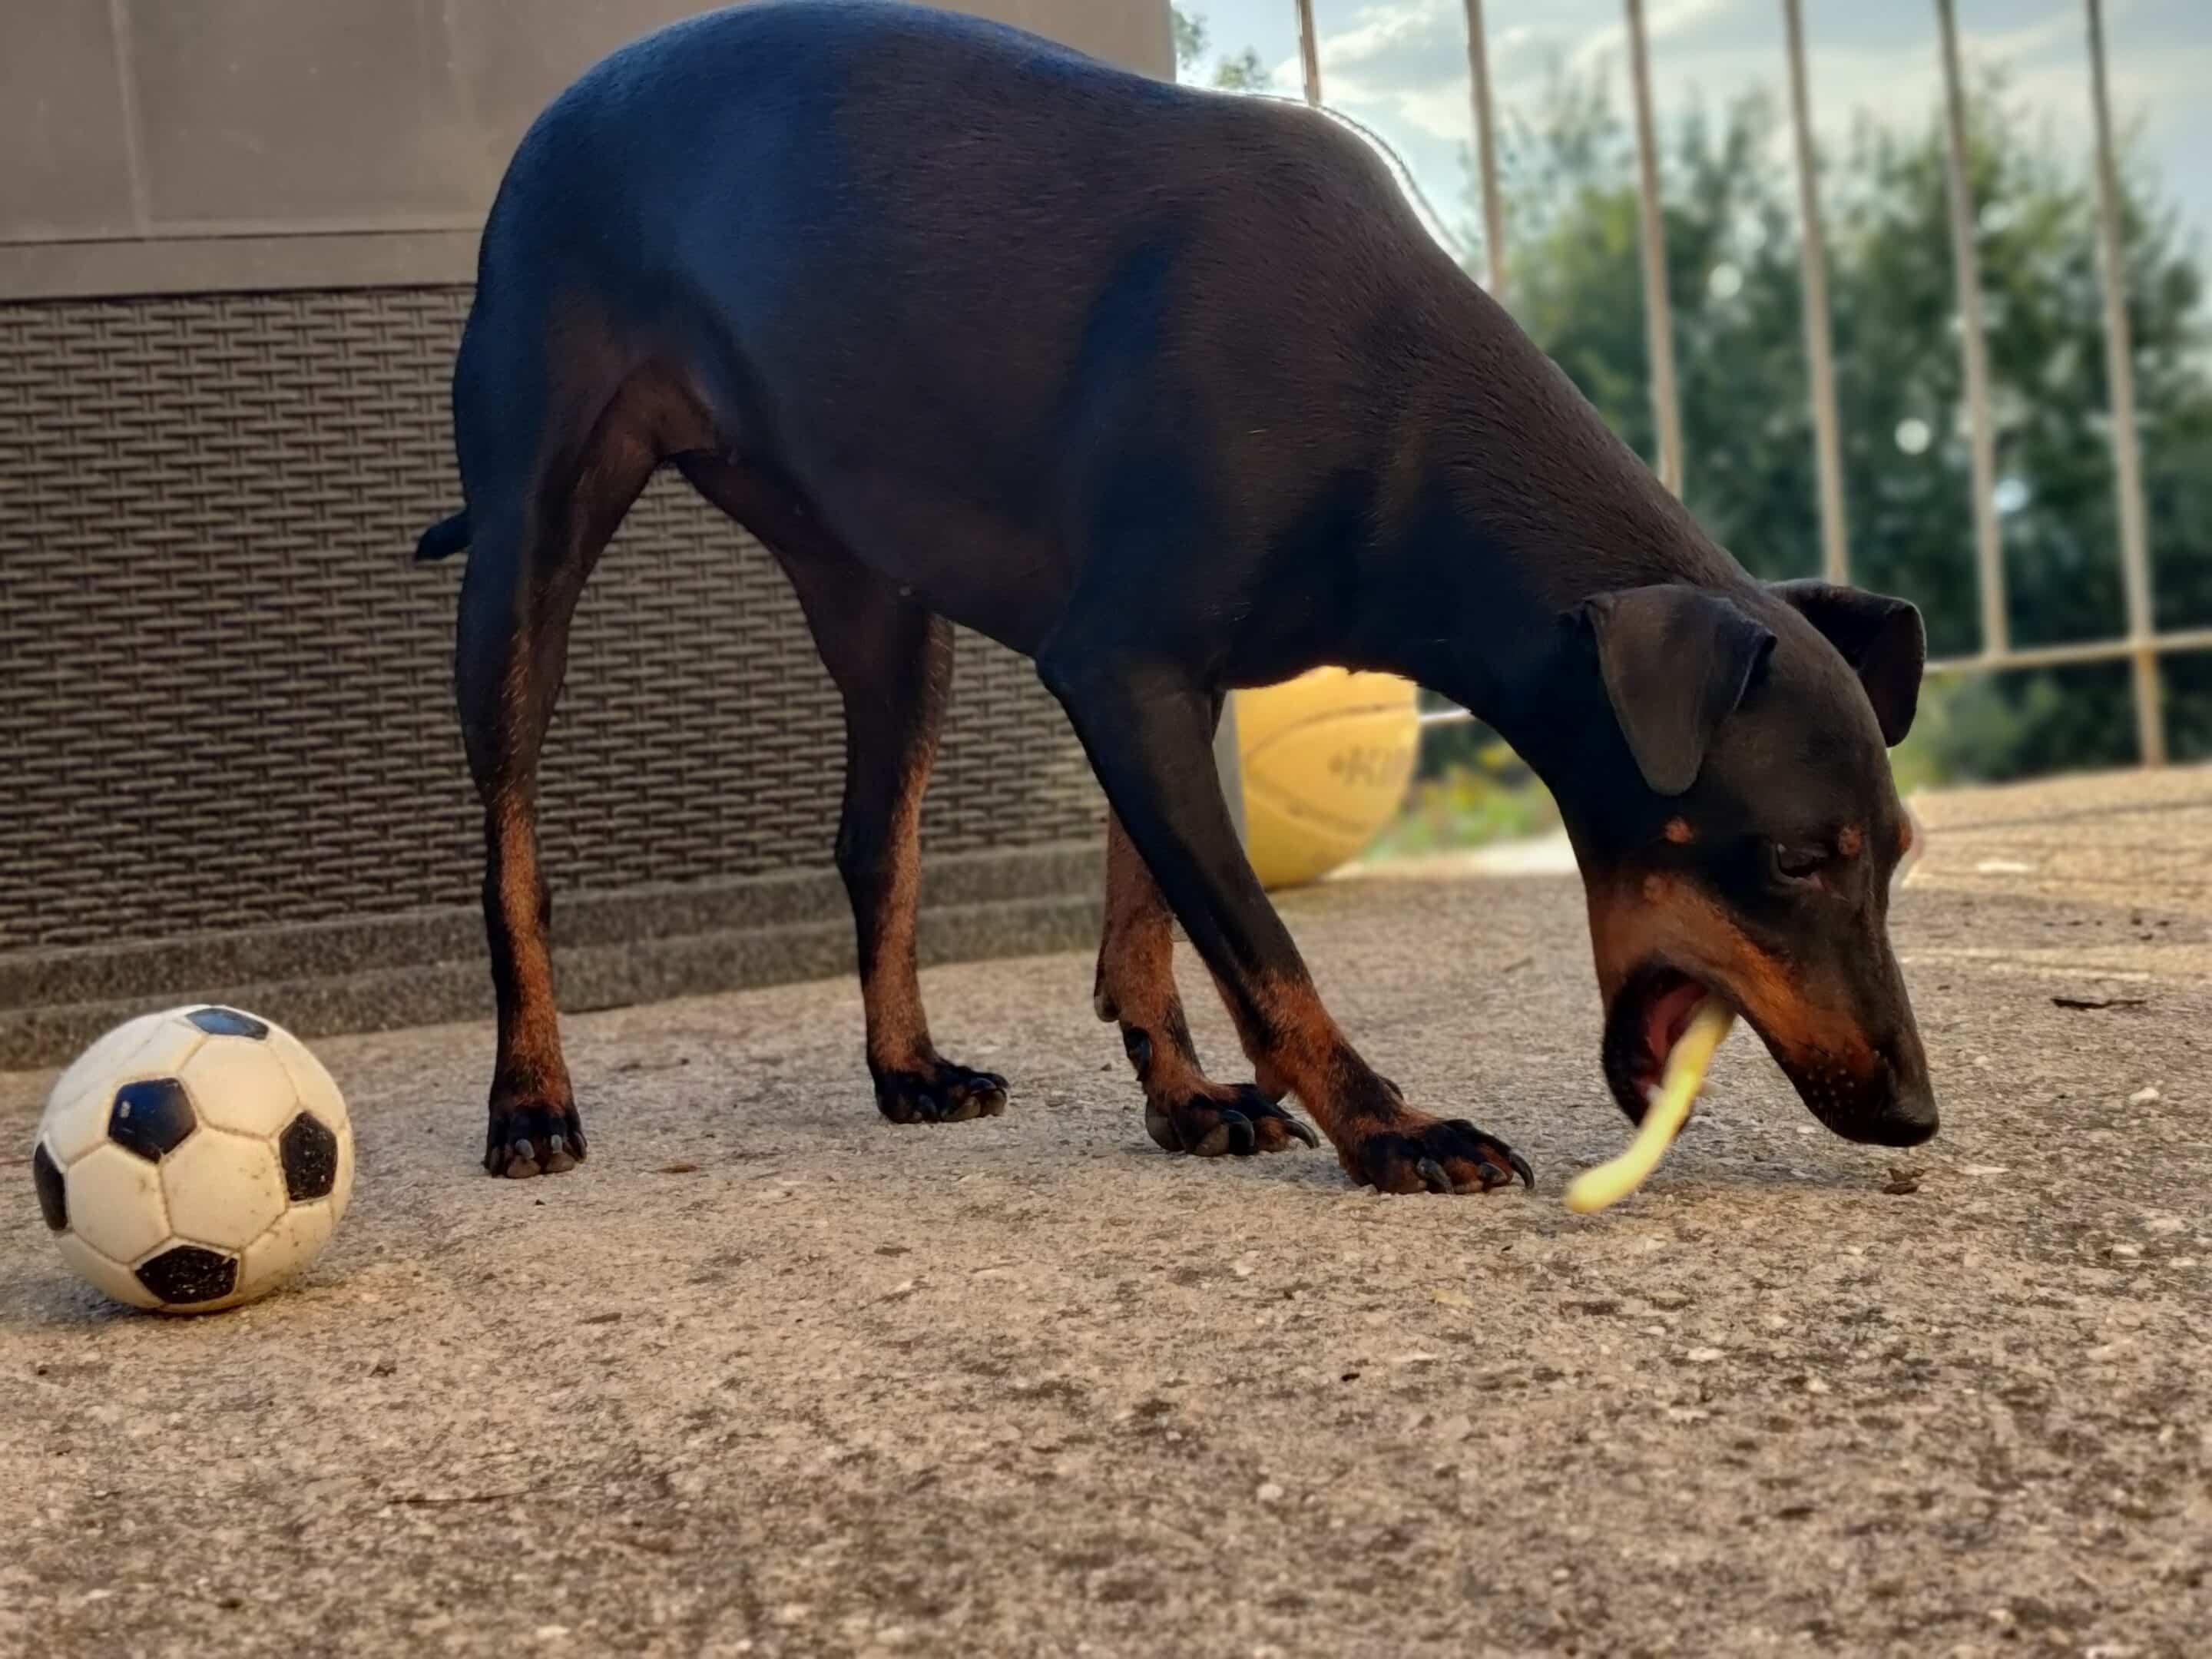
(2142, 645)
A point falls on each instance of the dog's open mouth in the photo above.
(1648, 1017)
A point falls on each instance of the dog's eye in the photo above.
(1798, 863)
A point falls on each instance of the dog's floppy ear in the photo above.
(1676, 661)
(1882, 638)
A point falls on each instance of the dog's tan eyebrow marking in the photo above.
(1848, 840)
(1678, 831)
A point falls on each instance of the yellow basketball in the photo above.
(1325, 759)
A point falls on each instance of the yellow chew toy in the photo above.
(1610, 1183)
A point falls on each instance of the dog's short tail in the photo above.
(443, 539)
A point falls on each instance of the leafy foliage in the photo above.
(1245, 72)
(1733, 253)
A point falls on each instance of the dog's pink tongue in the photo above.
(1668, 1018)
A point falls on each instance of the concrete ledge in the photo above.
(615, 949)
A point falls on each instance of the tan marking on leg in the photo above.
(1136, 982)
(890, 990)
(530, 1059)
(1379, 1139)
(1303, 1048)
(1680, 832)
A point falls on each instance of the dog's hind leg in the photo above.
(536, 532)
(892, 663)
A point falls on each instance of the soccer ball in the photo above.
(193, 1160)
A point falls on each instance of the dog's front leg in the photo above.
(1145, 723)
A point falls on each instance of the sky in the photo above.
(1400, 66)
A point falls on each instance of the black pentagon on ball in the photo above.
(228, 1022)
(310, 1155)
(187, 1273)
(151, 1118)
(53, 1196)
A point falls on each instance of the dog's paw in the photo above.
(1228, 1123)
(1412, 1153)
(940, 1093)
(531, 1138)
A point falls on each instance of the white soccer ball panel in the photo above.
(163, 1054)
(317, 1090)
(238, 1084)
(223, 1189)
(293, 1243)
(106, 1053)
(75, 1122)
(110, 1279)
(115, 1203)
(75, 1118)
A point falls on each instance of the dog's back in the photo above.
(809, 201)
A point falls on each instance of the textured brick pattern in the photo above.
(225, 684)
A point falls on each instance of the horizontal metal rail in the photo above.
(2015, 657)
(2052, 656)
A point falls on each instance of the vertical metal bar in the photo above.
(1309, 51)
(1819, 351)
(1967, 268)
(1485, 150)
(2127, 456)
(1658, 313)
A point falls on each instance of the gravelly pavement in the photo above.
(1030, 1387)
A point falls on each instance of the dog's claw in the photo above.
(529, 1140)
(1245, 1124)
(1409, 1153)
(946, 1094)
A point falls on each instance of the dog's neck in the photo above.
(1513, 503)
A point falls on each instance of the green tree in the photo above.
(1733, 271)
(1245, 72)
(1190, 40)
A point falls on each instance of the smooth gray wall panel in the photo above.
(64, 160)
(510, 56)
(157, 146)
(272, 113)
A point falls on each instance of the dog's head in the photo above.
(1738, 841)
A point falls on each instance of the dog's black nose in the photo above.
(1907, 1115)
(1909, 1119)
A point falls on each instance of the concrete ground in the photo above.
(770, 1376)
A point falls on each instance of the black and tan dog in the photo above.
(1171, 392)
